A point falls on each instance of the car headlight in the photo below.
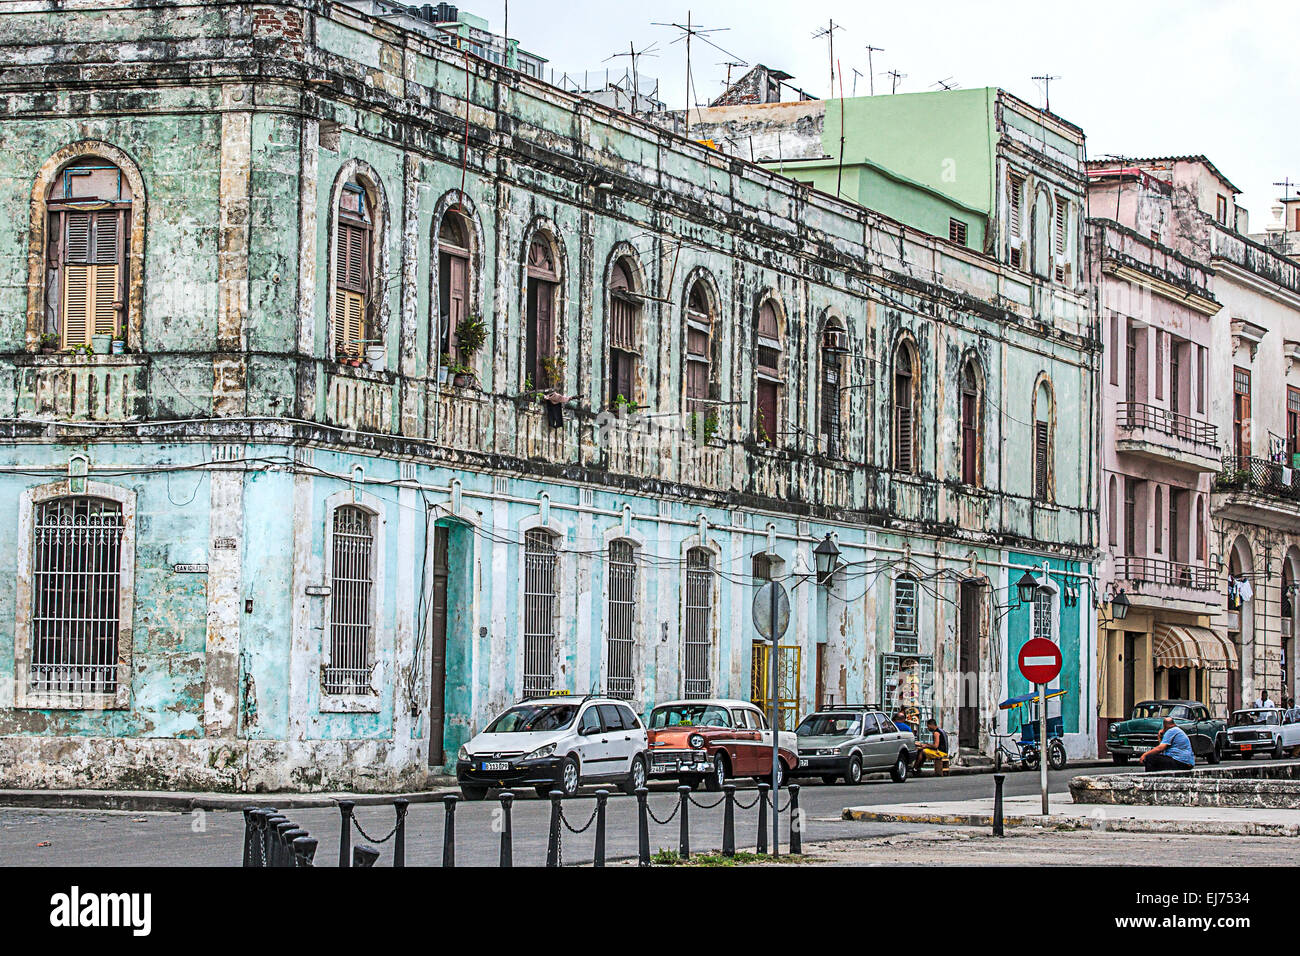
(541, 752)
(695, 741)
(463, 753)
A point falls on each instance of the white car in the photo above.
(556, 743)
(1265, 730)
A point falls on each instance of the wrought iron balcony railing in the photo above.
(1159, 571)
(1141, 415)
(1258, 476)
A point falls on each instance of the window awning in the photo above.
(1186, 645)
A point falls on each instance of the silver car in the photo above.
(844, 743)
(1266, 730)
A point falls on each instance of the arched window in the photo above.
(87, 252)
(767, 375)
(624, 333)
(540, 365)
(620, 650)
(539, 611)
(905, 402)
(354, 271)
(697, 631)
(352, 584)
(971, 424)
(1043, 463)
(834, 348)
(699, 350)
(455, 279)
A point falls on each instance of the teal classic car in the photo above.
(1135, 736)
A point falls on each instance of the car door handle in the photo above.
(627, 738)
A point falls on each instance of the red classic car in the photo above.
(707, 741)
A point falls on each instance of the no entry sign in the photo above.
(1040, 661)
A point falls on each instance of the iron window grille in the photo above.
(76, 582)
(351, 603)
(905, 636)
(1043, 614)
(539, 612)
(620, 670)
(698, 634)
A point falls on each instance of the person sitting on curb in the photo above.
(936, 749)
(1174, 752)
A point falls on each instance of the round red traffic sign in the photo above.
(1040, 661)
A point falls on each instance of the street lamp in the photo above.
(827, 557)
(1028, 586)
(1119, 606)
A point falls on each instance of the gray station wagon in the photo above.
(846, 742)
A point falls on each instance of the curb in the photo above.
(1065, 824)
(146, 800)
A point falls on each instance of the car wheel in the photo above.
(692, 782)
(1278, 751)
(1216, 752)
(1120, 759)
(636, 776)
(853, 775)
(570, 777)
(783, 777)
(714, 781)
(1056, 755)
(898, 773)
(473, 793)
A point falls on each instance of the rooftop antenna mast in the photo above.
(1046, 80)
(828, 32)
(871, 76)
(1286, 185)
(897, 76)
(945, 83)
(856, 73)
(634, 54)
(729, 64)
(689, 30)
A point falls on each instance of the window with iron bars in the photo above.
(76, 578)
(697, 636)
(1043, 613)
(539, 612)
(351, 606)
(905, 637)
(620, 662)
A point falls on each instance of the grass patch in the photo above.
(742, 858)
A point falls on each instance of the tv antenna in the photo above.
(1286, 185)
(828, 32)
(856, 73)
(688, 30)
(871, 76)
(1046, 80)
(634, 55)
(729, 64)
(946, 83)
(897, 76)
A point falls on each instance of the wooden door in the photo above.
(438, 649)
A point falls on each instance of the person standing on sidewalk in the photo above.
(1174, 752)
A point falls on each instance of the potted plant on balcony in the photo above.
(1232, 480)
(119, 341)
(101, 343)
(552, 373)
(471, 333)
(49, 343)
(444, 368)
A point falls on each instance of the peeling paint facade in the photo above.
(288, 482)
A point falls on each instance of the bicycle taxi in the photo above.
(1026, 747)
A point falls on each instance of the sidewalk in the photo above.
(1066, 815)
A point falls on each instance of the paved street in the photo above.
(215, 838)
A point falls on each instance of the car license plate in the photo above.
(1246, 746)
(803, 761)
(489, 765)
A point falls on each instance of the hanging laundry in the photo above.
(1245, 590)
(1286, 476)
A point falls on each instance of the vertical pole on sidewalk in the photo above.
(998, 780)
(796, 836)
(599, 858)
(762, 818)
(449, 830)
(773, 663)
(684, 837)
(642, 828)
(1042, 743)
(399, 838)
(345, 833)
(553, 841)
(507, 859)
(729, 820)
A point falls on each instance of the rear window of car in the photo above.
(612, 717)
(690, 715)
(830, 725)
(630, 719)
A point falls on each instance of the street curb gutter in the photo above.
(148, 800)
(1115, 824)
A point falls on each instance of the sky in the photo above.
(1151, 78)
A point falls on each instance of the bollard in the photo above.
(304, 851)
(998, 780)
(553, 841)
(256, 841)
(290, 859)
(684, 838)
(599, 858)
(642, 828)
(363, 855)
(248, 836)
(762, 817)
(796, 825)
(260, 836)
(269, 835)
(399, 838)
(283, 855)
(449, 830)
(729, 820)
(345, 832)
(507, 859)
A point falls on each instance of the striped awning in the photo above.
(1185, 645)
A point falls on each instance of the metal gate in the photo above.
(620, 670)
(539, 613)
(697, 634)
(789, 669)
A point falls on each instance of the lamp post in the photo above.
(827, 557)
(1028, 587)
(1119, 606)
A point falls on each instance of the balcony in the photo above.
(1160, 584)
(1257, 491)
(1157, 434)
(92, 388)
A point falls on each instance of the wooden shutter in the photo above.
(767, 409)
(1041, 456)
(91, 275)
(457, 295)
(352, 284)
(1015, 186)
(969, 439)
(545, 320)
(1062, 213)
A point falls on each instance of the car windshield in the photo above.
(1254, 718)
(1159, 710)
(690, 715)
(829, 725)
(530, 718)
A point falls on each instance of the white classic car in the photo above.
(1268, 730)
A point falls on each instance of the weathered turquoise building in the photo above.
(438, 386)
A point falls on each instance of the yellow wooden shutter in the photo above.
(78, 286)
(349, 323)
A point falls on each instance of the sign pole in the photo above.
(776, 732)
(1042, 743)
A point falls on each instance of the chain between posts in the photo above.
(705, 806)
(670, 817)
(584, 828)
